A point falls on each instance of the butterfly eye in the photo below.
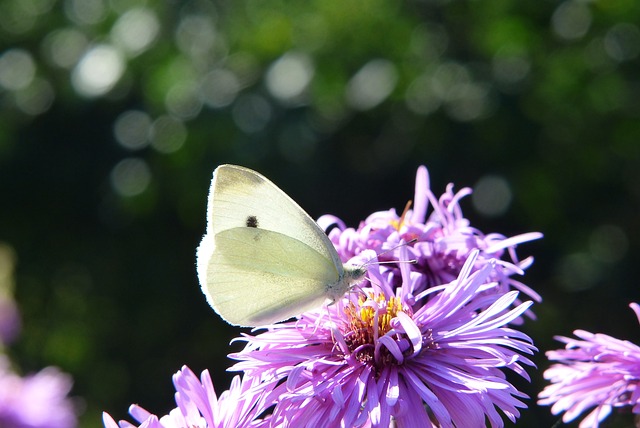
(252, 221)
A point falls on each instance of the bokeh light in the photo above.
(98, 70)
(136, 30)
(86, 11)
(130, 177)
(622, 41)
(491, 195)
(571, 20)
(219, 88)
(132, 128)
(64, 47)
(17, 69)
(371, 85)
(36, 98)
(167, 134)
(289, 76)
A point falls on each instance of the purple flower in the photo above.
(444, 240)
(598, 371)
(371, 359)
(199, 407)
(35, 401)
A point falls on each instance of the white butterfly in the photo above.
(263, 259)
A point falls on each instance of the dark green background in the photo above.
(543, 94)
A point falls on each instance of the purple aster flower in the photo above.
(199, 407)
(371, 359)
(443, 240)
(595, 371)
(35, 401)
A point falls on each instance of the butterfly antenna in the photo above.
(386, 262)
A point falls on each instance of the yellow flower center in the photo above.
(367, 321)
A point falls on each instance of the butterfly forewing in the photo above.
(241, 197)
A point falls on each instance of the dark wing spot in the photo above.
(252, 221)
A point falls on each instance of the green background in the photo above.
(534, 100)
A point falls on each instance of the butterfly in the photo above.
(263, 259)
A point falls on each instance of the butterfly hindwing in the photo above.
(260, 277)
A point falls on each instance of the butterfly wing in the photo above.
(263, 258)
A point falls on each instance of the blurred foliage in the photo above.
(114, 114)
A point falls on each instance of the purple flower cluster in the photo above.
(595, 371)
(425, 341)
(35, 401)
